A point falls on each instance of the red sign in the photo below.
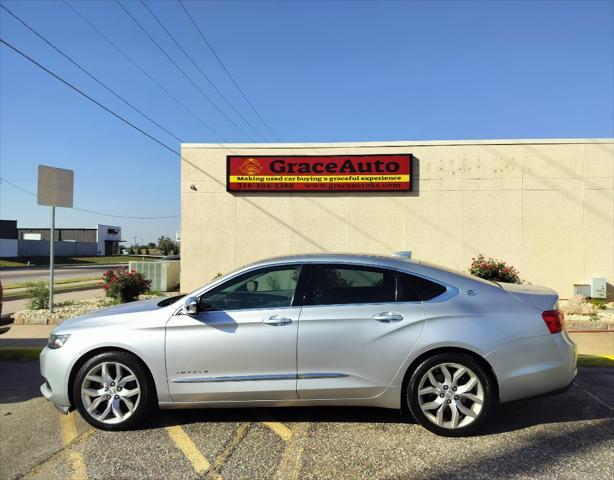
(319, 173)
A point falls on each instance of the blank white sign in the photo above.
(55, 186)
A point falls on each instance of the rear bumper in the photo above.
(534, 366)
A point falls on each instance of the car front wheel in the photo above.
(112, 391)
(450, 394)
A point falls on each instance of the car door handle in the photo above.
(388, 317)
(277, 320)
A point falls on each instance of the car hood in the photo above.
(540, 297)
(112, 315)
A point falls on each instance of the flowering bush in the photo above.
(492, 269)
(123, 285)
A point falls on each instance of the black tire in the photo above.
(142, 407)
(451, 399)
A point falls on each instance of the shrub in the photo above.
(37, 294)
(123, 285)
(598, 303)
(492, 269)
(131, 251)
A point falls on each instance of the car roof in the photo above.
(398, 262)
(361, 258)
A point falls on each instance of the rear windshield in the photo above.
(459, 273)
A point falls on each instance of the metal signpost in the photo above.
(55, 189)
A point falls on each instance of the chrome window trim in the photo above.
(451, 291)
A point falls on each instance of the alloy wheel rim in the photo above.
(451, 395)
(110, 392)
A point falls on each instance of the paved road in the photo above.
(570, 436)
(72, 271)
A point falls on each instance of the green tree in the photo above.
(166, 245)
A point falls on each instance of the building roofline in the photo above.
(58, 228)
(397, 144)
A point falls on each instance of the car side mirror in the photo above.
(190, 306)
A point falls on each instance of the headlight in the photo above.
(57, 341)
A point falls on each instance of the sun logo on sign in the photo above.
(250, 166)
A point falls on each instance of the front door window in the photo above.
(265, 288)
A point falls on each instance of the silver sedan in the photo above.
(381, 331)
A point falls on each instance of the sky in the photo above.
(314, 71)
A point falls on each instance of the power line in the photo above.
(126, 216)
(57, 77)
(29, 192)
(150, 77)
(169, 58)
(200, 70)
(202, 35)
(88, 73)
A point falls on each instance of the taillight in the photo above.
(554, 320)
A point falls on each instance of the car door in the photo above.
(357, 325)
(241, 345)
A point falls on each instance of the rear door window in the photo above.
(347, 284)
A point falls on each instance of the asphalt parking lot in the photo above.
(566, 436)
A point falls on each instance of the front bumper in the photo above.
(534, 366)
(55, 369)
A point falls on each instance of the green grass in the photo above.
(20, 353)
(596, 360)
(44, 261)
(11, 295)
(11, 286)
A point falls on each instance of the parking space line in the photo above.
(291, 461)
(186, 445)
(239, 434)
(595, 397)
(68, 428)
(77, 463)
(280, 429)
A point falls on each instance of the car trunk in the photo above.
(534, 295)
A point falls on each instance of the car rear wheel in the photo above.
(450, 394)
(112, 391)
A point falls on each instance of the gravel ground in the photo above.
(66, 309)
(569, 436)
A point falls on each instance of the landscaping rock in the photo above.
(65, 311)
